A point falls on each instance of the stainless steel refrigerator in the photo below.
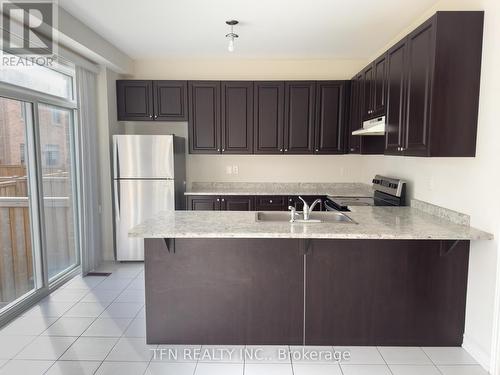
(149, 177)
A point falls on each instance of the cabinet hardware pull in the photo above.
(218, 149)
(223, 150)
(270, 201)
(281, 150)
(150, 116)
(317, 150)
(286, 150)
(218, 200)
(156, 116)
(222, 199)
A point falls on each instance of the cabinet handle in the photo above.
(156, 116)
(150, 116)
(218, 149)
(222, 199)
(223, 150)
(218, 200)
(353, 149)
(317, 150)
(270, 201)
(286, 150)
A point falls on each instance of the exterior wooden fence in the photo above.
(16, 255)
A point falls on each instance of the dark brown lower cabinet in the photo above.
(385, 292)
(237, 203)
(270, 203)
(203, 203)
(224, 291)
(357, 292)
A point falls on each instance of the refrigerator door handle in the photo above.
(116, 160)
(117, 199)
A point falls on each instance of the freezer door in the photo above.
(143, 156)
(136, 201)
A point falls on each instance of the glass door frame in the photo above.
(42, 284)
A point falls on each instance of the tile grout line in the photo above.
(383, 358)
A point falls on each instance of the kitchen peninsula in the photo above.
(392, 276)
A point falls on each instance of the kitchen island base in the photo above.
(237, 291)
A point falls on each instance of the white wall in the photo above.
(465, 184)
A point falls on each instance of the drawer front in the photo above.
(270, 203)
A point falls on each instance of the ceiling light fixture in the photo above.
(231, 35)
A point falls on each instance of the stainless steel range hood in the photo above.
(375, 126)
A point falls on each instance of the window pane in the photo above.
(57, 175)
(39, 78)
(16, 253)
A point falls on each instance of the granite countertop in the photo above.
(286, 188)
(403, 223)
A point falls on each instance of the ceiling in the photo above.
(312, 29)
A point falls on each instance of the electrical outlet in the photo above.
(235, 169)
(229, 169)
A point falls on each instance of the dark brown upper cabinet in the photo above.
(432, 110)
(331, 115)
(204, 117)
(269, 102)
(151, 100)
(373, 83)
(300, 99)
(355, 114)
(171, 99)
(396, 81)
(237, 117)
(134, 100)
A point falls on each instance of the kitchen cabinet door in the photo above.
(420, 64)
(134, 100)
(171, 100)
(270, 203)
(379, 86)
(204, 117)
(203, 203)
(237, 117)
(269, 101)
(330, 117)
(354, 141)
(396, 75)
(367, 82)
(237, 203)
(300, 99)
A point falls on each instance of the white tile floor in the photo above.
(96, 325)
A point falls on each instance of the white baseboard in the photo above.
(475, 350)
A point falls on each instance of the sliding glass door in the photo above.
(17, 271)
(39, 226)
(58, 181)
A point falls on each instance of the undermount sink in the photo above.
(314, 217)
